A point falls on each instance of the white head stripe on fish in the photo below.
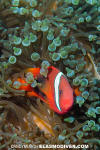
(56, 87)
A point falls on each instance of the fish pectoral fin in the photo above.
(45, 101)
(32, 93)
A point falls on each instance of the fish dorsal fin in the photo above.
(34, 71)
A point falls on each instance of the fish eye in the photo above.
(60, 92)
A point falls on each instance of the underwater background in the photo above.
(66, 34)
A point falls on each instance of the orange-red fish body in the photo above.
(55, 90)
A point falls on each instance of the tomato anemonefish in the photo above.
(55, 90)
